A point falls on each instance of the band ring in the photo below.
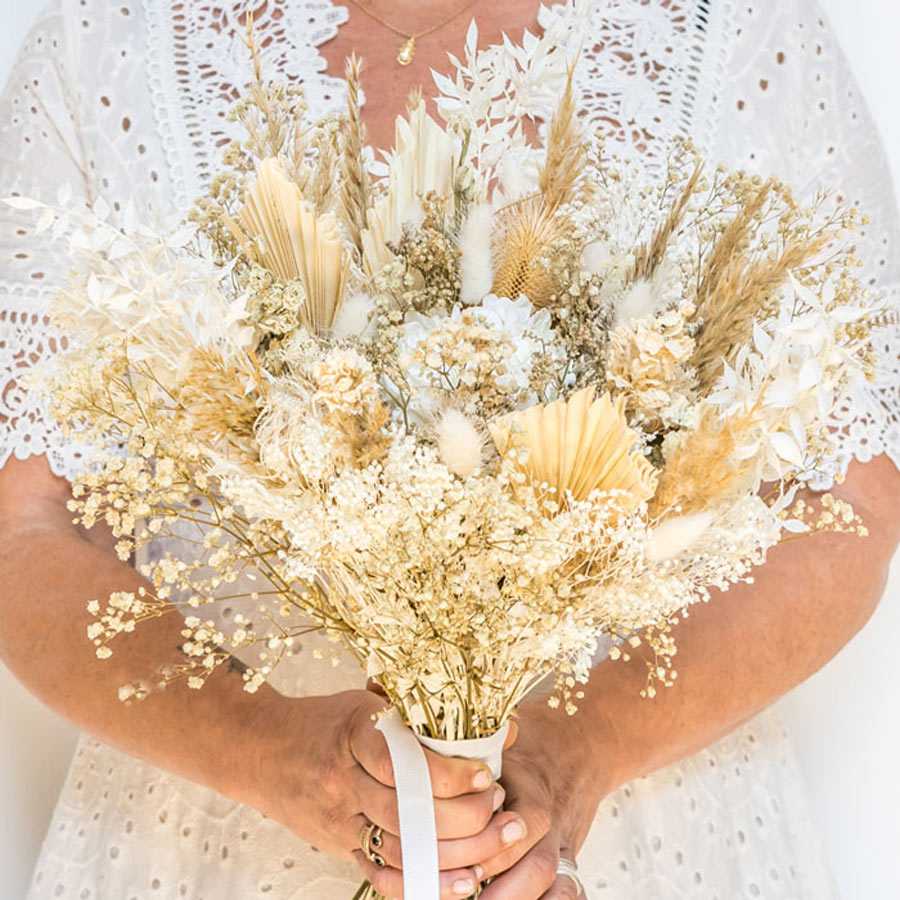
(371, 838)
(568, 869)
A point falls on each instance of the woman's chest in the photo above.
(163, 76)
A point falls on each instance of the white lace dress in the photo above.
(125, 101)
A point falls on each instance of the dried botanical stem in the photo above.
(565, 160)
(527, 230)
(355, 186)
(742, 295)
(649, 255)
(731, 242)
(702, 467)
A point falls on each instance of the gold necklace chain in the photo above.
(408, 50)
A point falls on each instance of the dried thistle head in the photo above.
(525, 232)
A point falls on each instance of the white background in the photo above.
(845, 720)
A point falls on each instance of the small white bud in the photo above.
(595, 257)
(637, 302)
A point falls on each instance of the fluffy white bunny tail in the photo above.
(476, 264)
(354, 317)
(595, 257)
(677, 534)
(638, 301)
(459, 443)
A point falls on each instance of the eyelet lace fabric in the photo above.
(126, 102)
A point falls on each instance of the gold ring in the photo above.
(371, 837)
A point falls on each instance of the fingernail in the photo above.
(465, 887)
(512, 832)
(499, 797)
(479, 872)
(482, 780)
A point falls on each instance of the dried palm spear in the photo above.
(578, 446)
(279, 230)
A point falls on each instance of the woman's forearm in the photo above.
(49, 572)
(754, 642)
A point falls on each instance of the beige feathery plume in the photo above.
(355, 187)
(565, 160)
(278, 229)
(703, 465)
(578, 446)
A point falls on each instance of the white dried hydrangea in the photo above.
(649, 362)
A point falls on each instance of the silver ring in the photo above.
(567, 868)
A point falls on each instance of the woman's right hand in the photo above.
(318, 766)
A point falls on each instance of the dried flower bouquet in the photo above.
(474, 409)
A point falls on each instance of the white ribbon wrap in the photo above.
(418, 833)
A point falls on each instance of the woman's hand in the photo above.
(555, 777)
(319, 767)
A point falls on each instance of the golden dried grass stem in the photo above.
(355, 186)
(730, 243)
(565, 160)
(649, 255)
(743, 295)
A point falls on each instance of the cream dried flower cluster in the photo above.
(470, 409)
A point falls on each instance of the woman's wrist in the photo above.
(579, 759)
(249, 741)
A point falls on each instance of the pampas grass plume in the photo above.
(459, 443)
(476, 263)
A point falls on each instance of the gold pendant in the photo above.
(407, 52)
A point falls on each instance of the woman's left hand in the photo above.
(555, 775)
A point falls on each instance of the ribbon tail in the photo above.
(418, 832)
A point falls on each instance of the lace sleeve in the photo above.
(789, 104)
(40, 149)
